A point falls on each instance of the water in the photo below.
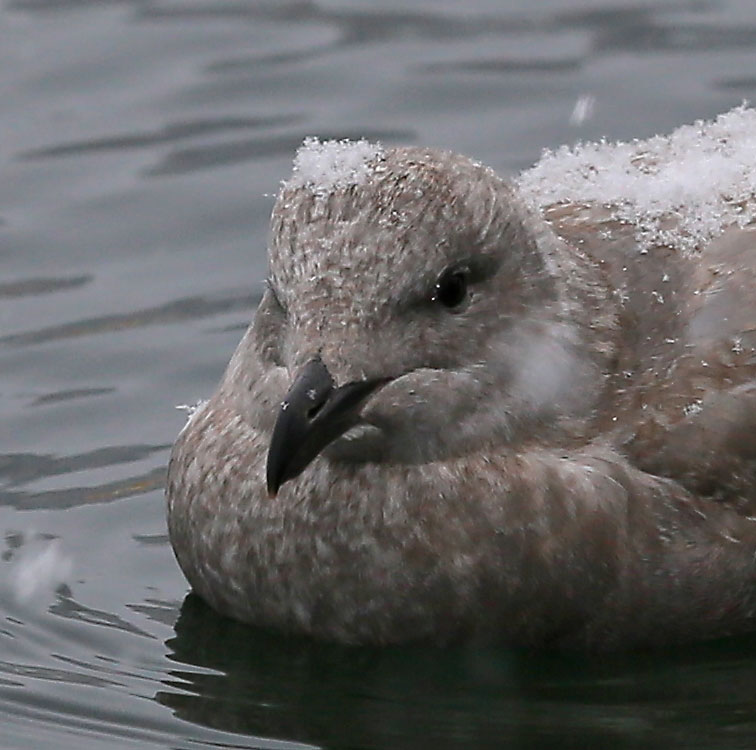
(140, 144)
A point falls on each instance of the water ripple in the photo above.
(20, 468)
(34, 287)
(502, 65)
(70, 609)
(177, 311)
(74, 497)
(56, 675)
(171, 133)
(67, 395)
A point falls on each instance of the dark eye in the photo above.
(451, 287)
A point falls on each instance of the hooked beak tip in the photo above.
(313, 414)
(272, 488)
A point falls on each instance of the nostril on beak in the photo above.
(318, 400)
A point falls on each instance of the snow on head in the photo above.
(679, 190)
(324, 166)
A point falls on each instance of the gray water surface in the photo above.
(140, 145)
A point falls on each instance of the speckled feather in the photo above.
(569, 460)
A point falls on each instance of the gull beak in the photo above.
(313, 414)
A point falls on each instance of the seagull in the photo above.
(475, 409)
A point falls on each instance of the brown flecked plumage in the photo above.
(455, 416)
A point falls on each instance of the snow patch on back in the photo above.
(680, 190)
(325, 166)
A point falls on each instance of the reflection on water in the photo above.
(240, 679)
(141, 142)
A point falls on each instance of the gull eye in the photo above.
(451, 287)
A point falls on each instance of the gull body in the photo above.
(459, 417)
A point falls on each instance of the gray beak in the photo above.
(313, 414)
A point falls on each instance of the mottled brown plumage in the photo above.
(565, 457)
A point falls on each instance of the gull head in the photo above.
(414, 311)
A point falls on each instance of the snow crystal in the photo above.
(38, 569)
(191, 409)
(324, 166)
(693, 408)
(585, 106)
(679, 190)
